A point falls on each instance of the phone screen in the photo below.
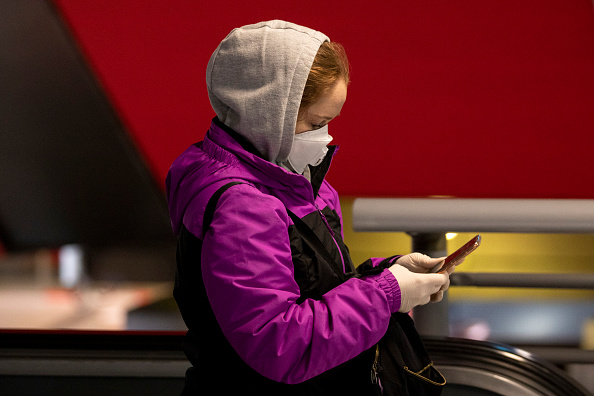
(456, 257)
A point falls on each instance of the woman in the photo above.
(268, 291)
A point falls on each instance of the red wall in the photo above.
(463, 97)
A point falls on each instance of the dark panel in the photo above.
(80, 362)
(69, 172)
(91, 386)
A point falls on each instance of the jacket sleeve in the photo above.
(248, 274)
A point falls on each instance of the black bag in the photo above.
(402, 365)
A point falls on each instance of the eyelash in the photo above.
(317, 126)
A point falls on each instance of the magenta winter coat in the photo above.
(279, 306)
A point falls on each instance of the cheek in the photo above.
(300, 127)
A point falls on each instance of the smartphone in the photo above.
(457, 256)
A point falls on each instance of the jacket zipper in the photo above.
(333, 237)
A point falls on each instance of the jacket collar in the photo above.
(235, 148)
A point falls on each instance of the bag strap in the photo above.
(212, 205)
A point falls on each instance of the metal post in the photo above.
(431, 319)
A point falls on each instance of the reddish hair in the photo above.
(329, 65)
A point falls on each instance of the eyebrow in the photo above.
(324, 117)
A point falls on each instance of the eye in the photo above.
(317, 126)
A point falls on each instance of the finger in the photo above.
(428, 262)
(417, 262)
(437, 297)
(439, 279)
(435, 284)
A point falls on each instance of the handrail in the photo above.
(66, 353)
(468, 215)
(523, 280)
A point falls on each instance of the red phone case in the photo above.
(458, 255)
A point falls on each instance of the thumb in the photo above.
(433, 264)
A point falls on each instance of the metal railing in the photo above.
(427, 220)
(430, 215)
(523, 280)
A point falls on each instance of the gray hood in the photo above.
(255, 80)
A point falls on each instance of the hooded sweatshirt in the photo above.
(255, 81)
(259, 301)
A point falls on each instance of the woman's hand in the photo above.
(418, 262)
(417, 286)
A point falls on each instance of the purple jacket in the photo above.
(247, 263)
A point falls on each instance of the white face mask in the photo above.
(309, 148)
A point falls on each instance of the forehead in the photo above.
(330, 102)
